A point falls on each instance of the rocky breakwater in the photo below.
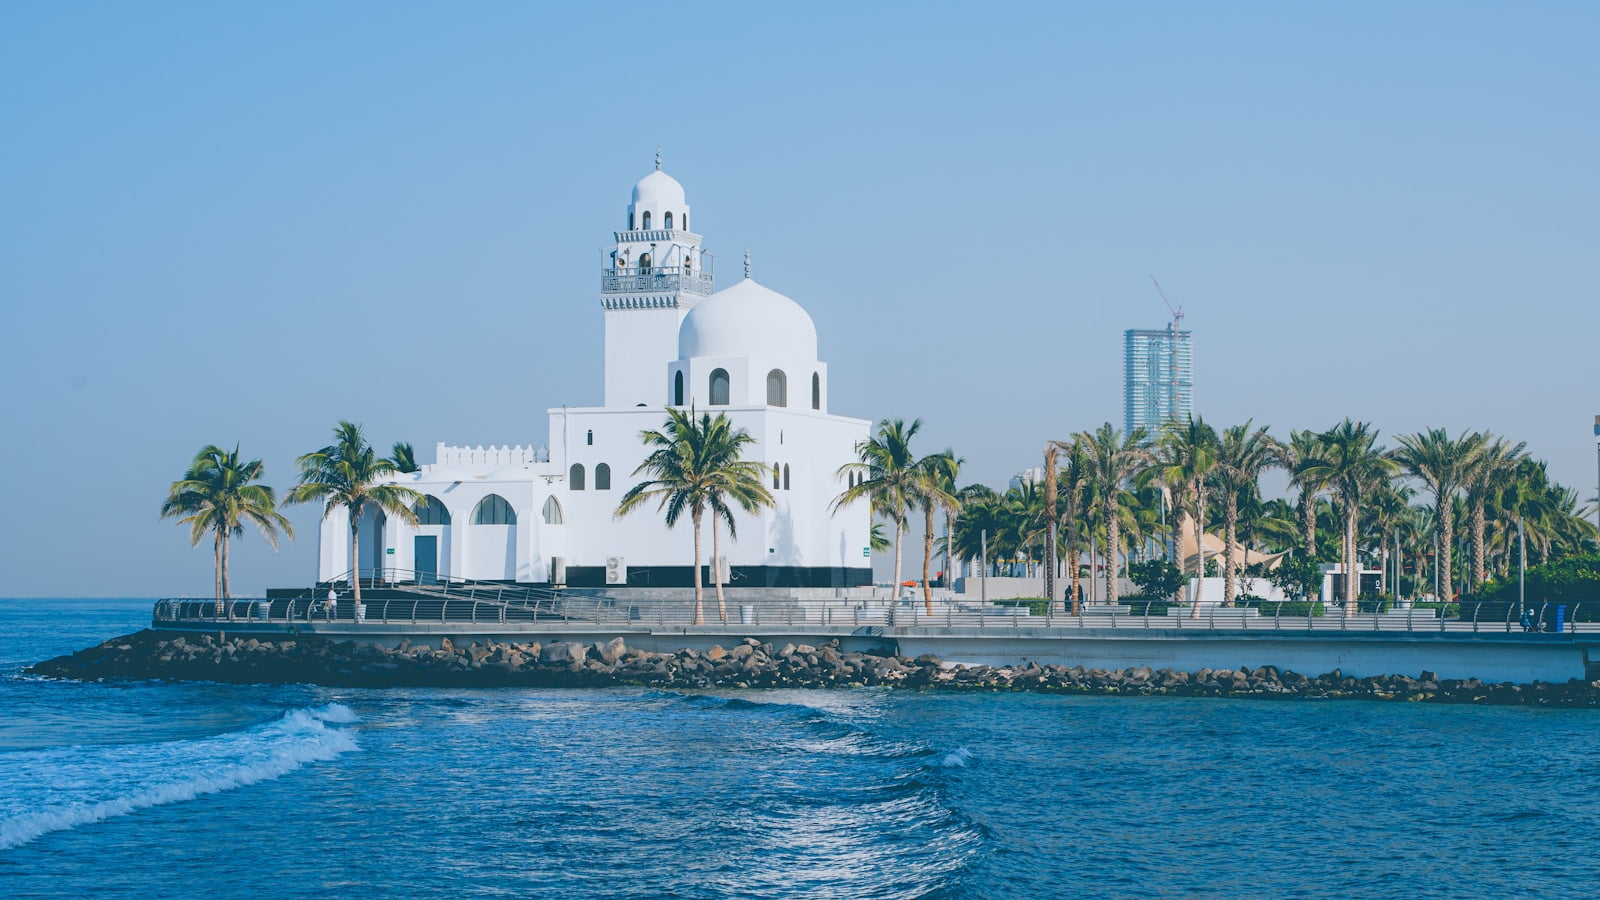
(749, 663)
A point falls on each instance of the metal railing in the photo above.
(491, 603)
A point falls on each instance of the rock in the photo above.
(716, 653)
(805, 649)
(787, 651)
(742, 651)
(557, 653)
(446, 645)
(751, 642)
(610, 651)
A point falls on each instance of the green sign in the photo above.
(866, 551)
(389, 551)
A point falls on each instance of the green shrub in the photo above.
(1288, 608)
(1369, 603)
(1037, 606)
(1157, 579)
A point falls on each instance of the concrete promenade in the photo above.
(956, 632)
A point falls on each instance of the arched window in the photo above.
(647, 220)
(777, 388)
(776, 473)
(644, 258)
(786, 476)
(685, 221)
(552, 512)
(667, 221)
(431, 512)
(816, 390)
(589, 438)
(677, 389)
(575, 477)
(494, 510)
(719, 387)
(630, 221)
(602, 477)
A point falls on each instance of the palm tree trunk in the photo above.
(1113, 538)
(716, 569)
(927, 556)
(1479, 569)
(1200, 556)
(897, 533)
(216, 554)
(1351, 570)
(227, 595)
(355, 556)
(1072, 561)
(1230, 532)
(699, 595)
(1447, 535)
(1308, 523)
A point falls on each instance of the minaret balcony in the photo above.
(654, 280)
(663, 235)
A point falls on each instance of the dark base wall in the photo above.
(741, 576)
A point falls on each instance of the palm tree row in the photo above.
(220, 493)
(1108, 493)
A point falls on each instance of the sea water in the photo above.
(181, 790)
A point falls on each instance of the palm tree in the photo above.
(1242, 455)
(1303, 447)
(404, 459)
(1491, 470)
(1075, 494)
(348, 473)
(1113, 459)
(1186, 454)
(1052, 450)
(1354, 468)
(887, 475)
(695, 463)
(934, 489)
(218, 493)
(1442, 463)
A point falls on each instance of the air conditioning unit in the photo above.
(558, 571)
(616, 570)
(723, 571)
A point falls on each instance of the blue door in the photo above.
(425, 548)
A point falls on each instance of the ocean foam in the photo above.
(53, 790)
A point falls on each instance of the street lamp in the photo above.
(1597, 481)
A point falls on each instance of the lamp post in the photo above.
(1597, 460)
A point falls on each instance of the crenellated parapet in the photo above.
(447, 455)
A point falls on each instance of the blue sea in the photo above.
(182, 790)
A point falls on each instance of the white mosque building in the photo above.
(517, 514)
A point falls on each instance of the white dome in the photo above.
(748, 321)
(658, 189)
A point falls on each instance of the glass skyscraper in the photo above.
(1158, 384)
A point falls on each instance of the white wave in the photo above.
(57, 789)
(957, 758)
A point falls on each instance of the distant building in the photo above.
(1158, 384)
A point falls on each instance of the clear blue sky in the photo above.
(240, 223)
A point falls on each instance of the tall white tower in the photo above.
(654, 276)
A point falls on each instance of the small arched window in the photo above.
(816, 390)
(685, 221)
(494, 510)
(589, 438)
(776, 474)
(719, 387)
(431, 512)
(667, 221)
(647, 220)
(552, 512)
(777, 388)
(786, 476)
(602, 477)
(575, 477)
(677, 389)
(644, 258)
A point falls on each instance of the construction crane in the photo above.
(1172, 346)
